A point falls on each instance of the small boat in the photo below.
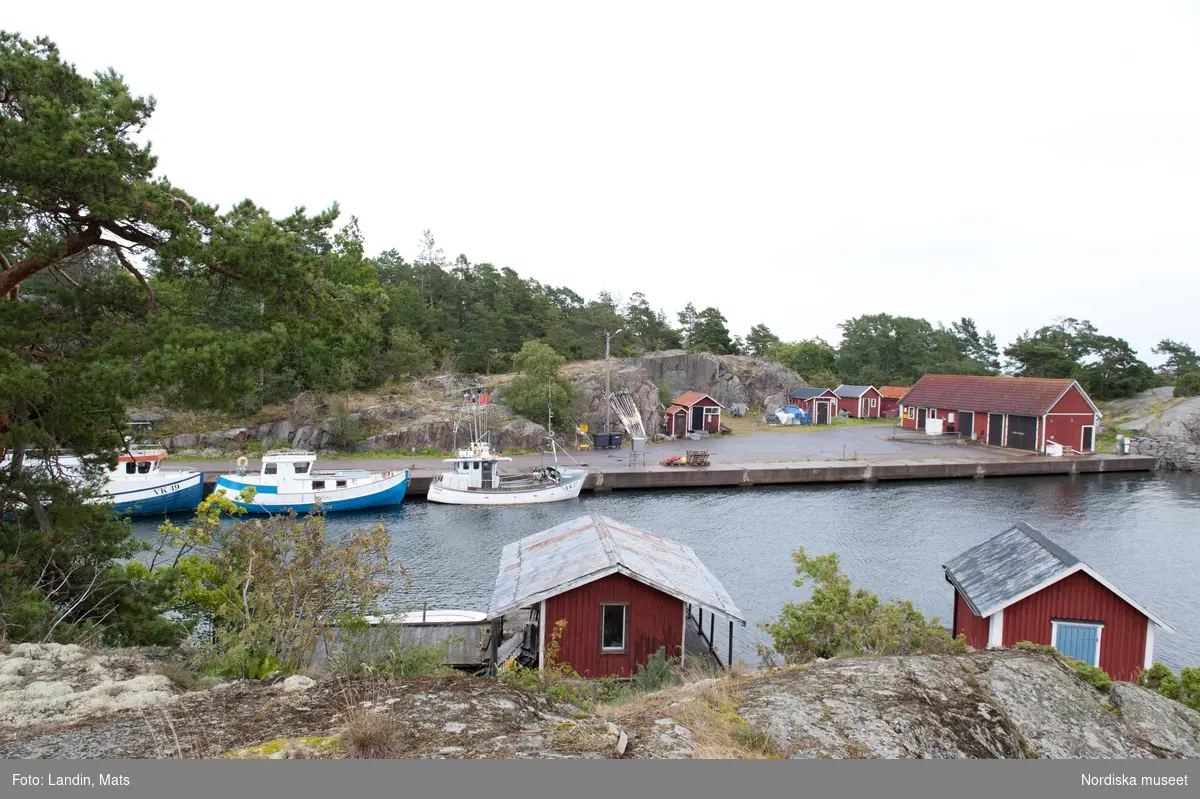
(429, 617)
(476, 479)
(287, 481)
(137, 486)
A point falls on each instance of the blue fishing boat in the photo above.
(287, 481)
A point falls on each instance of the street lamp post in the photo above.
(608, 337)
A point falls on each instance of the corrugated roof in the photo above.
(851, 391)
(893, 392)
(1025, 396)
(689, 398)
(807, 392)
(1015, 564)
(582, 550)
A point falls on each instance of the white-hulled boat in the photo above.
(137, 486)
(287, 481)
(476, 479)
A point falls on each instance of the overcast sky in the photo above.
(794, 163)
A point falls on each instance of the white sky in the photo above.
(791, 163)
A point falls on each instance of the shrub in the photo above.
(1188, 385)
(1185, 688)
(381, 651)
(539, 384)
(656, 674)
(841, 621)
(1095, 676)
(665, 395)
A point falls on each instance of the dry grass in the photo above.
(369, 734)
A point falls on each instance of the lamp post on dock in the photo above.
(608, 337)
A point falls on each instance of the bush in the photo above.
(1188, 385)
(381, 651)
(1095, 676)
(1185, 688)
(840, 621)
(665, 395)
(539, 384)
(656, 674)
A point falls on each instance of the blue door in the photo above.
(1079, 641)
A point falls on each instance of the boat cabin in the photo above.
(473, 469)
(294, 472)
(140, 461)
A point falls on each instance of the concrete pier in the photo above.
(610, 478)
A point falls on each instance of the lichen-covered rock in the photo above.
(1163, 723)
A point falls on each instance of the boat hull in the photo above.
(381, 493)
(556, 493)
(176, 494)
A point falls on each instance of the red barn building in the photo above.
(622, 592)
(1016, 412)
(889, 406)
(820, 403)
(692, 412)
(1021, 586)
(859, 402)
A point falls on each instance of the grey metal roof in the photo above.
(582, 550)
(997, 572)
(806, 392)
(851, 391)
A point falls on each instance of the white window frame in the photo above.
(615, 650)
(930, 413)
(1054, 623)
(910, 412)
(950, 417)
(1093, 429)
(872, 401)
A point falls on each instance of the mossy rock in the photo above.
(311, 747)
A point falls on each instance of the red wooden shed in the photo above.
(859, 402)
(622, 592)
(1021, 586)
(1016, 412)
(890, 404)
(692, 412)
(820, 403)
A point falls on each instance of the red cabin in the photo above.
(859, 402)
(1021, 586)
(692, 412)
(820, 403)
(1016, 412)
(890, 404)
(623, 594)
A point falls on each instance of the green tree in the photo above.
(885, 350)
(538, 385)
(760, 339)
(813, 359)
(1181, 359)
(406, 354)
(709, 333)
(1188, 385)
(839, 620)
(1107, 367)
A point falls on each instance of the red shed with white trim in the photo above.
(890, 404)
(820, 403)
(1015, 412)
(700, 413)
(859, 402)
(1021, 586)
(619, 593)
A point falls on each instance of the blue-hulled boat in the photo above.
(288, 481)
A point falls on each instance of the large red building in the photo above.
(620, 592)
(821, 404)
(692, 412)
(859, 402)
(1021, 586)
(1016, 412)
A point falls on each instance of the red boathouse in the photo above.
(1021, 586)
(859, 402)
(1015, 412)
(692, 412)
(622, 592)
(820, 403)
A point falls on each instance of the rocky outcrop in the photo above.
(1169, 454)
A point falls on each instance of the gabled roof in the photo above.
(850, 392)
(1016, 564)
(586, 549)
(893, 392)
(807, 392)
(1025, 396)
(674, 409)
(689, 398)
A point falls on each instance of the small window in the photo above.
(910, 413)
(872, 405)
(933, 413)
(475, 465)
(270, 468)
(301, 468)
(341, 483)
(130, 467)
(318, 485)
(144, 467)
(950, 416)
(612, 628)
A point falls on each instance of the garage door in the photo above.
(1022, 432)
(996, 429)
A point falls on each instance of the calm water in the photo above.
(1141, 531)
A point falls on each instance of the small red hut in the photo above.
(1021, 586)
(889, 406)
(692, 412)
(820, 403)
(859, 402)
(622, 592)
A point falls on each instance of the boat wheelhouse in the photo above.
(289, 481)
(476, 478)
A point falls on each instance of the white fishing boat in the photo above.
(288, 481)
(136, 486)
(477, 478)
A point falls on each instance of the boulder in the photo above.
(1163, 723)
(237, 435)
(304, 438)
(182, 441)
(278, 434)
